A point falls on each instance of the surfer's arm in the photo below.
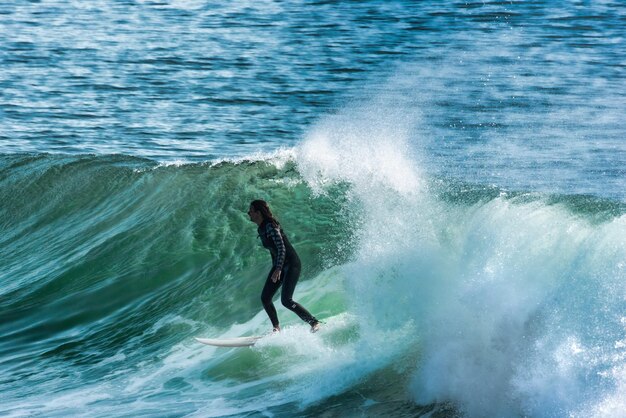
(277, 238)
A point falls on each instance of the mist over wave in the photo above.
(514, 300)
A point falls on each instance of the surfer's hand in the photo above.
(276, 276)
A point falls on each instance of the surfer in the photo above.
(286, 266)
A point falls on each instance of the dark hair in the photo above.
(262, 206)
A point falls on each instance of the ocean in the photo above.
(452, 175)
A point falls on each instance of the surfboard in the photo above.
(229, 342)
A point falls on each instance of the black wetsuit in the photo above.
(285, 259)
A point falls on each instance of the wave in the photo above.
(502, 303)
(114, 230)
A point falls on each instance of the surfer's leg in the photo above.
(269, 290)
(291, 275)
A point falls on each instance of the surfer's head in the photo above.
(259, 211)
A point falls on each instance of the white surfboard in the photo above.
(229, 342)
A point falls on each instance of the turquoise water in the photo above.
(452, 177)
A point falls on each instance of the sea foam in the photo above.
(514, 299)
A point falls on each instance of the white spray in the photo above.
(516, 304)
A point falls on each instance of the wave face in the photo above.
(439, 297)
(111, 264)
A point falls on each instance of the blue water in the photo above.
(453, 175)
(519, 87)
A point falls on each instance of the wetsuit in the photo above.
(285, 259)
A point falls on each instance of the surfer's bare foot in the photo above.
(276, 329)
(315, 327)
